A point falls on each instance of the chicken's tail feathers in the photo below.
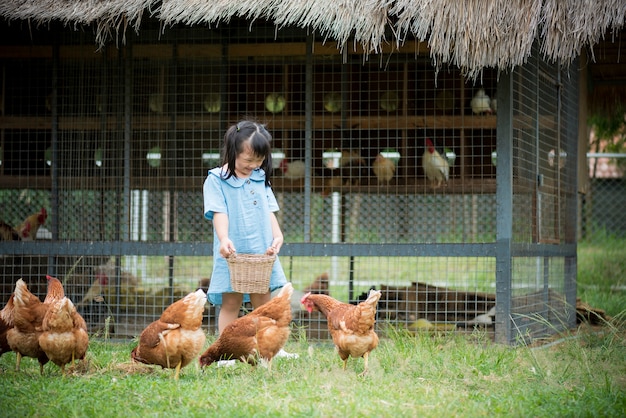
(287, 289)
(20, 293)
(373, 297)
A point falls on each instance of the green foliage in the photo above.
(611, 127)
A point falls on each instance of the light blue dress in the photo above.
(248, 203)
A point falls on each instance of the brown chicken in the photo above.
(351, 171)
(319, 285)
(28, 229)
(383, 168)
(104, 285)
(28, 314)
(64, 337)
(176, 338)
(258, 335)
(6, 323)
(351, 326)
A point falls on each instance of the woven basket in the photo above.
(250, 273)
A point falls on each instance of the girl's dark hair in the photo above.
(260, 143)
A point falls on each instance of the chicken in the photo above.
(258, 335)
(435, 166)
(423, 324)
(292, 170)
(384, 169)
(480, 103)
(331, 184)
(485, 320)
(155, 102)
(103, 285)
(28, 315)
(319, 285)
(8, 233)
(28, 229)
(350, 172)
(351, 326)
(176, 338)
(6, 323)
(64, 337)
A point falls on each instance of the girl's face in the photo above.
(246, 162)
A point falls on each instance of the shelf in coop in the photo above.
(279, 184)
(185, 122)
(409, 187)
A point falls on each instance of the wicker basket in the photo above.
(250, 273)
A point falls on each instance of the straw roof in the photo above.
(469, 34)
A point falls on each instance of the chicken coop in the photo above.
(115, 143)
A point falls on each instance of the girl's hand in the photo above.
(227, 248)
(275, 247)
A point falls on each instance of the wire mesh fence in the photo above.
(116, 145)
(601, 210)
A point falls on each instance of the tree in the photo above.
(609, 128)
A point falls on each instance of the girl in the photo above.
(239, 200)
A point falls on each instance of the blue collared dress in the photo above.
(248, 203)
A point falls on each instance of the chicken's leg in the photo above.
(365, 360)
(177, 368)
(18, 360)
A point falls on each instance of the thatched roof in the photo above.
(469, 34)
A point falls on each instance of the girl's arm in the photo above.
(220, 224)
(277, 234)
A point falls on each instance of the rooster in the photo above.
(6, 323)
(351, 326)
(383, 168)
(435, 166)
(176, 338)
(260, 334)
(28, 229)
(64, 337)
(28, 315)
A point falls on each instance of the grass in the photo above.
(470, 273)
(447, 375)
(602, 274)
(581, 373)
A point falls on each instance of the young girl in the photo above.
(239, 200)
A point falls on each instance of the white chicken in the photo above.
(481, 103)
(293, 170)
(435, 167)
